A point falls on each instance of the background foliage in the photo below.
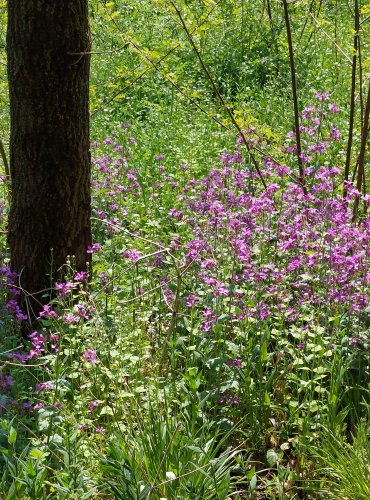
(222, 349)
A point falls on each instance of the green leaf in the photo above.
(38, 454)
(267, 400)
(106, 410)
(272, 457)
(170, 476)
(253, 483)
(12, 436)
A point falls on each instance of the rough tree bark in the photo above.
(49, 138)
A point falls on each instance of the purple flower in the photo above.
(43, 386)
(334, 134)
(38, 342)
(71, 318)
(90, 355)
(6, 382)
(80, 276)
(133, 255)
(191, 300)
(210, 318)
(64, 288)
(94, 248)
(19, 356)
(237, 362)
(319, 148)
(229, 398)
(48, 313)
(13, 307)
(91, 406)
(354, 342)
(177, 214)
(333, 108)
(322, 96)
(81, 311)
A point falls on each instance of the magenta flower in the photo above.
(91, 406)
(333, 108)
(43, 386)
(81, 311)
(133, 255)
(236, 362)
(322, 96)
(94, 248)
(90, 356)
(210, 318)
(48, 313)
(80, 276)
(334, 134)
(71, 318)
(64, 288)
(191, 300)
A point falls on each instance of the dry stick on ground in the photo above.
(361, 156)
(219, 95)
(352, 103)
(295, 98)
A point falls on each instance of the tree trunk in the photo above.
(49, 138)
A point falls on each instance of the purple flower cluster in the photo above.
(90, 356)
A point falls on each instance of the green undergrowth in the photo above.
(152, 382)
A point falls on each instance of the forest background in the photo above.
(222, 348)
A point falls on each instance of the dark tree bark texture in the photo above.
(49, 139)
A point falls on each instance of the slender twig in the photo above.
(362, 111)
(352, 103)
(269, 13)
(6, 169)
(156, 67)
(219, 95)
(361, 156)
(133, 235)
(169, 52)
(360, 76)
(98, 53)
(330, 38)
(295, 98)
